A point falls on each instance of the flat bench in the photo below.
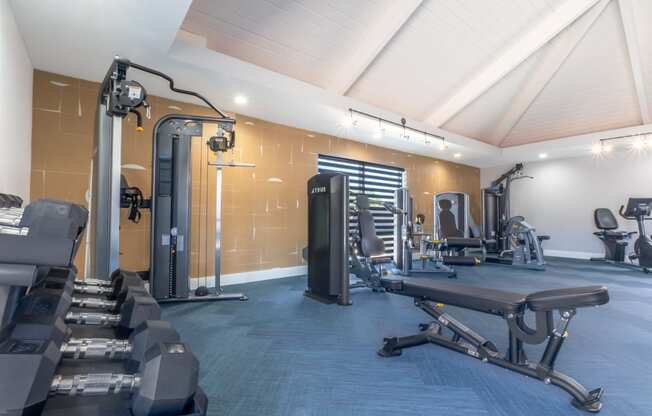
(432, 295)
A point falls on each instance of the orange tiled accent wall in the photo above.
(263, 209)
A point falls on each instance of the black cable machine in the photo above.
(119, 97)
(509, 239)
(171, 206)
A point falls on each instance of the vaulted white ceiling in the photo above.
(504, 72)
(502, 80)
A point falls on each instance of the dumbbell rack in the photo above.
(111, 404)
(57, 278)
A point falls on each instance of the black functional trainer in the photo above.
(431, 295)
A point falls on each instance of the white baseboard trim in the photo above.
(249, 277)
(583, 255)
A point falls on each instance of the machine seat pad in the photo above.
(461, 242)
(496, 302)
(570, 298)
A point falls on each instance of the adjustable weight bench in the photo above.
(431, 295)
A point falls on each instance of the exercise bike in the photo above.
(639, 209)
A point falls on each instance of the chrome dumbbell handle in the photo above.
(90, 318)
(94, 384)
(94, 303)
(93, 290)
(5, 229)
(10, 221)
(94, 282)
(96, 348)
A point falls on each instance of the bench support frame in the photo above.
(464, 340)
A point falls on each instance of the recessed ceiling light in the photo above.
(543, 155)
(249, 123)
(596, 149)
(457, 155)
(607, 148)
(240, 99)
(312, 136)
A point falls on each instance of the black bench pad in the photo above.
(574, 297)
(491, 301)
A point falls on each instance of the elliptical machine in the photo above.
(639, 209)
(509, 240)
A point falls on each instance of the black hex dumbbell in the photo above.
(132, 350)
(63, 279)
(43, 314)
(40, 315)
(108, 305)
(135, 310)
(165, 384)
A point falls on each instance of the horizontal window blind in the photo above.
(378, 182)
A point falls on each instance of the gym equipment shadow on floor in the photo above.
(284, 354)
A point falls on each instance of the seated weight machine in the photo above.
(332, 253)
(453, 223)
(404, 235)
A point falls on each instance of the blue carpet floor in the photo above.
(281, 353)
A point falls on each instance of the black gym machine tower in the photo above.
(509, 239)
(169, 275)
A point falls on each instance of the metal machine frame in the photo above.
(171, 207)
(509, 239)
(404, 240)
(117, 98)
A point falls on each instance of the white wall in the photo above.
(16, 77)
(560, 200)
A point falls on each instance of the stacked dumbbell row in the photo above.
(161, 371)
(61, 339)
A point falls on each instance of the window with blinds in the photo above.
(378, 182)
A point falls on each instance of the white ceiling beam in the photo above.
(552, 58)
(540, 34)
(372, 43)
(629, 26)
